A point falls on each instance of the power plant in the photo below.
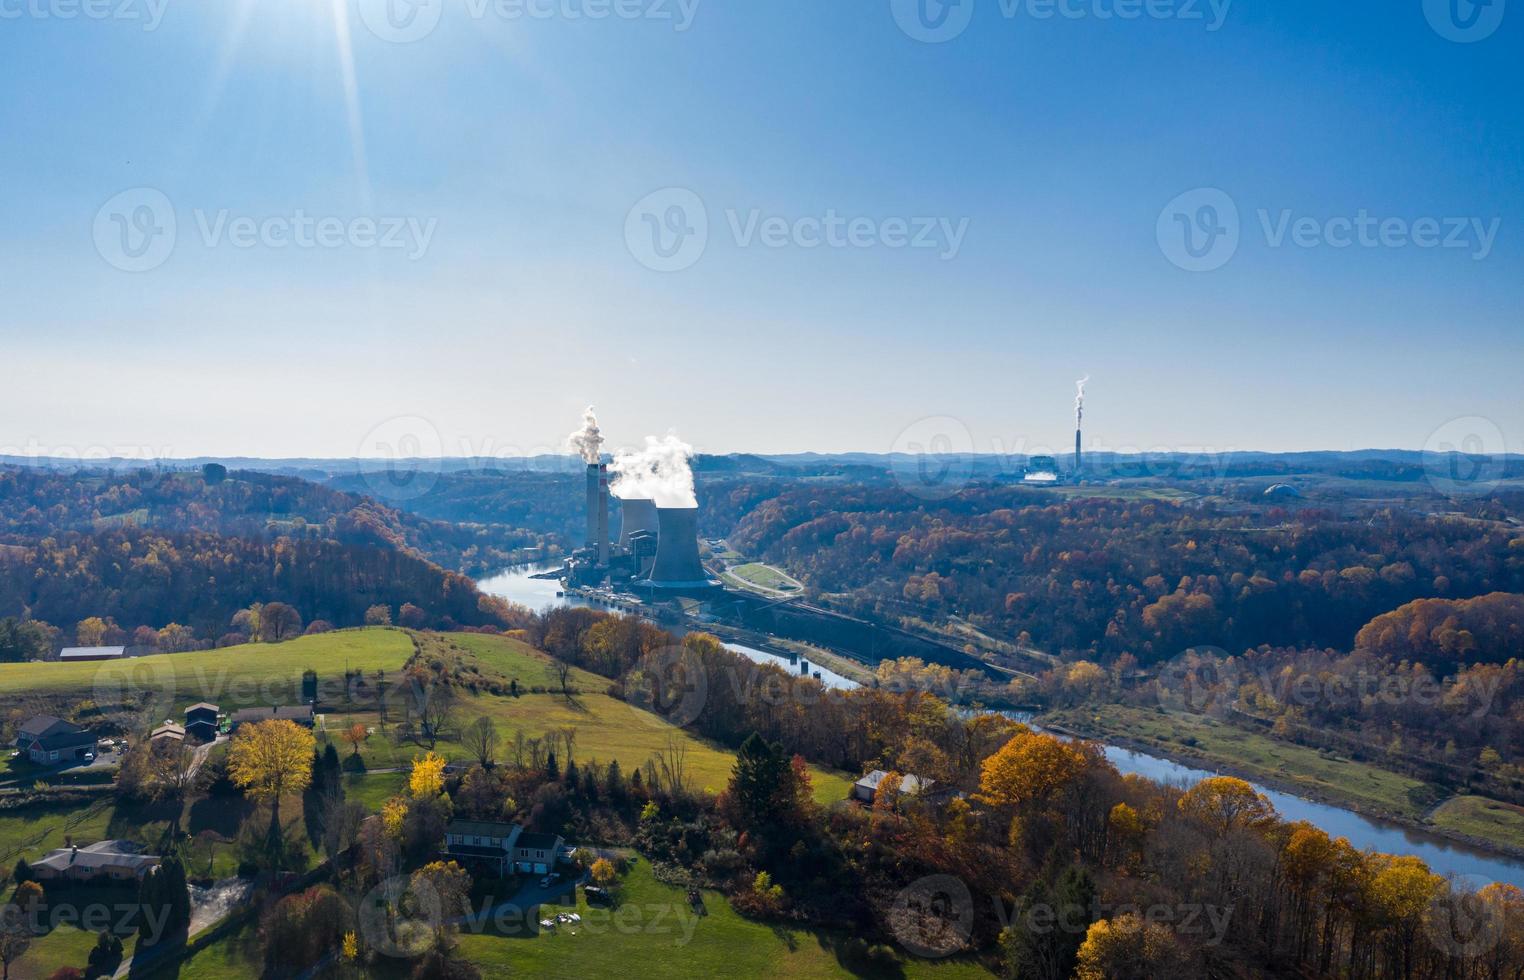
(658, 546)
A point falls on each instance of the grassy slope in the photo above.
(1283, 764)
(1484, 818)
(607, 728)
(231, 677)
(766, 576)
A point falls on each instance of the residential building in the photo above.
(47, 741)
(118, 859)
(201, 722)
(87, 654)
(866, 789)
(168, 732)
(502, 847)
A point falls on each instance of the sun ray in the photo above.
(340, 9)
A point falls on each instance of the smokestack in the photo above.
(1077, 466)
(592, 505)
(677, 562)
(636, 515)
(1079, 420)
(603, 515)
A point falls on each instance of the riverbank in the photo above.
(1322, 778)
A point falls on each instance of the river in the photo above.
(1471, 865)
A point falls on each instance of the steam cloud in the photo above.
(588, 440)
(659, 472)
(1079, 400)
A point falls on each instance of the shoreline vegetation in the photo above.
(1453, 817)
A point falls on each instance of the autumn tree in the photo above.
(439, 894)
(427, 777)
(1224, 803)
(269, 759)
(1127, 948)
(1031, 767)
(356, 735)
(481, 739)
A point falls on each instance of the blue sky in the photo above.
(1012, 191)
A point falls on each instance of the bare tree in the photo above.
(15, 936)
(481, 739)
(673, 761)
(518, 748)
(435, 704)
(569, 736)
(563, 675)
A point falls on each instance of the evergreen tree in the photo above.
(614, 782)
(552, 771)
(760, 784)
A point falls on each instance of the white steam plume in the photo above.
(1079, 400)
(659, 472)
(588, 440)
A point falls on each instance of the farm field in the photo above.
(607, 728)
(234, 676)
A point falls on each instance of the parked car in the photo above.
(549, 880)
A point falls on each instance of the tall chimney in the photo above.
(677, 562)
(592, 506)
(1077, 458)
(603, 515)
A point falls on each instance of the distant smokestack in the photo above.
(1077, 461)
(592, 505)
(677, 558)
(603, 515)
(1079, 420)
(636, 515)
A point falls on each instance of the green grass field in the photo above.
(1259, 756)
(656, 935)
(607, 728)
(1484, 818)
(231, 677)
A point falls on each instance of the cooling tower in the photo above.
(677, 558)
(592, 506)
(636, 515)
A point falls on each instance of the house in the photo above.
(201, 722)
(74, 655)
(502, 847)
(866, 788)
(302, 714)
(482, 844)
(168, 732)
(49, 741)
(118, 859)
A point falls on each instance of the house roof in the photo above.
(203, 706)
(482, 828)
(537, 842)
(909, 784)
(90, 653)
(41, 726)
(116, 853)
(477, 850)
(170, 729)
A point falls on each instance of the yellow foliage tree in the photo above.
(269, 760)
(1223, 803)
(427, 777)
(1029, 768)
(1126, 948)
(393, 816)
(603, 871)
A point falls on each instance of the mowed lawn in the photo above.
(1484, 818)
(654, 933)
(237, 676)
(607, 728)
